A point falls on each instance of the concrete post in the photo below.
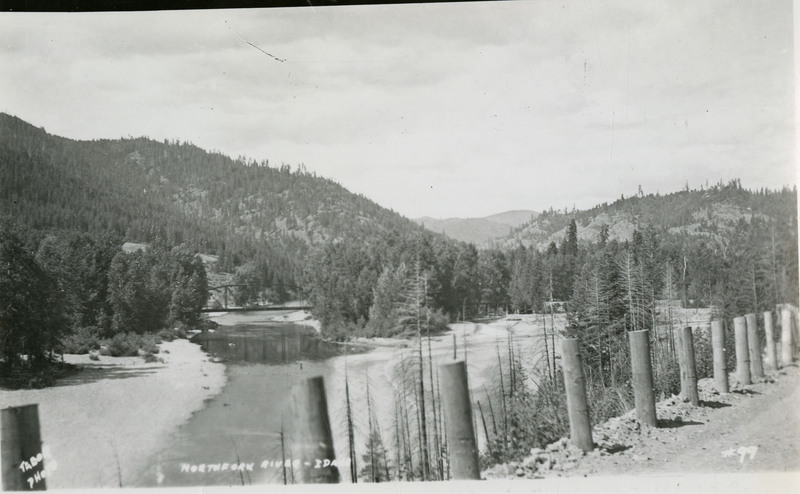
(786, 337)
(577, 405)
(689, 368)
(458, 422)
(313, 441)
(754, 345)
(644, 395)
(742, 351)
(772, 351)
(718, 349)
(21, 449)
(681, 363)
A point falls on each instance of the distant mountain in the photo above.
(478, 230)
(513, 218)
(706, 212)
(173, 192)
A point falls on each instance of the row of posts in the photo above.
(748, 365)
(314, 439)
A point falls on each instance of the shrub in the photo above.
(178, 330)
(149, 343)
(39, 380)
(129, 344)
(608, 401)
(124, 345)
(339, 331)
(516, 418)
(703, 354)
(667, 379)
(207, 324)
(82, 341)
(167, 335)
(438, 322)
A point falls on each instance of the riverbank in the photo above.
(104, 423)
(299, 317)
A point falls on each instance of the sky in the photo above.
(442, 110)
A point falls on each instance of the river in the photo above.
(264, 359)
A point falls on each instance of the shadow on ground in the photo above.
(745, 392)
(617, 448)
(100, 373)
(714, 404)
(672, 424)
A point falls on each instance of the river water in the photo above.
(264, 360)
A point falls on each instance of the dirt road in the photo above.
(755, 429)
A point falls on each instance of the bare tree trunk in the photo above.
(546, 346)
(397, 438)
(553, 335)
(503, 400)
(283, 454)
(370, 438)
(421, 404)
(409, 455)
(511, 374)
(485, 429)
(433, 395)
(491, 411)
(350, 435)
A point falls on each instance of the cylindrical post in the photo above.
(786, 337)
(772, 351)
(21, 445)
(312, 433)
(458, 422)
(689, 368)
(795, 332)
(643, 393)
(580, 426)
(718, 349)
(754, 345)
(742, 351)
(681, 364)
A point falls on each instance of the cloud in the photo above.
(438, 109)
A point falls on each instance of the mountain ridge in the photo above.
(705, 212)
(176, 192)
(479, 231)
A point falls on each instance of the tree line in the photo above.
(746, 263)
(58, 285)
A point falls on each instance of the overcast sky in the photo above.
(434, 109)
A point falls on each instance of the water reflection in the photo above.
(272, 345)
(245, 423)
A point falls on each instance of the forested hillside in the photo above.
(702, 246)
(711, 212)
(366, 269)
(256, 217)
